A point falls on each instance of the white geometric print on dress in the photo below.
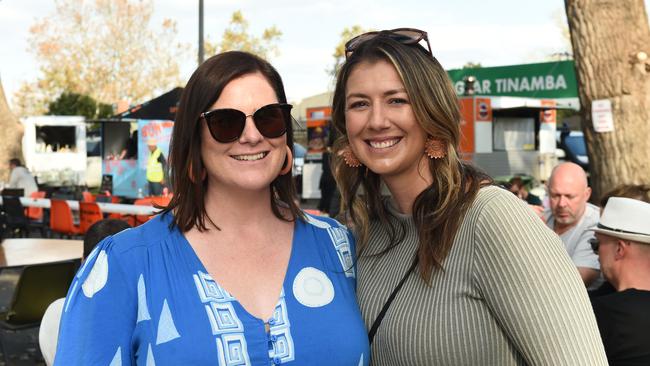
(318, 223)
(210, 290)
(223, 318)
(150, 360)
(312, 288)
(339, 237)
(143, 309)
(232, 350)
(89, 259)
(361, 360)
(280, 332)
(166, 328)
(226, 325)
(97, 277)
(117, 358)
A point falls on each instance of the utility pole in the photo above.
(201, 50)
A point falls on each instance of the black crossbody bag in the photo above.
(382, 313)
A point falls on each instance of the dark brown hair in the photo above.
(99, 230)
(201, 92)
(439, 209)
(639, 192)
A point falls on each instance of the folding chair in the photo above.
(160, 201)
(38, 286)
(141, 219)
(89, 213)
(61, 218)
(35, 213)
(15, 220)
(114, 199)
(88, 197)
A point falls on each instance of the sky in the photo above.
(493, 33)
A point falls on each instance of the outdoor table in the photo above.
(27, 251)
(120, 208)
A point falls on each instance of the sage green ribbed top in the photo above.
(509, 295)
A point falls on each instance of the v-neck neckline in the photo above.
(280, 296)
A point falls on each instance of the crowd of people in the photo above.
(448, 268)
(617, 276)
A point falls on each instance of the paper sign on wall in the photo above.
(601, 115)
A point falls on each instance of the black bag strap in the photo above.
(382, 313)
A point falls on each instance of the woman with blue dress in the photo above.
(232, 272)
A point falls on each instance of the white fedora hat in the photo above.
(626, 218)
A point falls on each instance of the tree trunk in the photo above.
(11, 134)
(611, 44)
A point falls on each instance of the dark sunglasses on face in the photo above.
(226, 125)
(594, 244)
(406, 36)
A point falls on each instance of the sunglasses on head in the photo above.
(406, 36)
(227, 124)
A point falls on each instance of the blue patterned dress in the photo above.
(144, 298)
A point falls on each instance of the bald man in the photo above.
(571, 216)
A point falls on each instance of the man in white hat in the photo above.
(623, 245)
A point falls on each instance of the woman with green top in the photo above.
(452, 270)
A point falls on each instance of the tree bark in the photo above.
(611, 44)
(11, 134)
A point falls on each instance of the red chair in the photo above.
(89, 213)
(88, 197)
(61, 218)
(160, 201)
(35, 213)
(107, 198)
(141, 219)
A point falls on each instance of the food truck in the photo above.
(509, 135)
(125, 138)
(54, 148)
(125, 153)
(318, 134)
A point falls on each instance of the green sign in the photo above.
(543, 80)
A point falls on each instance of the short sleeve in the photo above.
(99, 313)
(583, 255)
(341, 244)
(527, 280)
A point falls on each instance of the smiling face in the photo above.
(381, 125)
(253, 161)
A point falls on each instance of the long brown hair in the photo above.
(439, 209)
(201, 92)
